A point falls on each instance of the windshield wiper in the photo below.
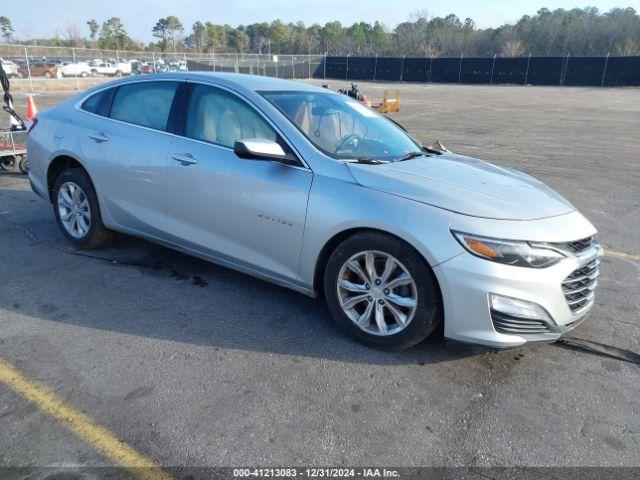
(411, 155)
(366, 160)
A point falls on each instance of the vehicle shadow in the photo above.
(207, 304)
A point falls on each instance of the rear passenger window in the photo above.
(144, 103)
(92, 104)
(219, 117)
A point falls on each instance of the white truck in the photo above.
(111, 69)
(10, 68)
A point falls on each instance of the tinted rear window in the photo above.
(94, 102)
(144, 103)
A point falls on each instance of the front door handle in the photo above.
(184, 159)
(99, 137)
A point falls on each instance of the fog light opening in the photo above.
(516, 307)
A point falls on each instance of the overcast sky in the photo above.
(41, 18)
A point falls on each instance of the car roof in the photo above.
(241, 81)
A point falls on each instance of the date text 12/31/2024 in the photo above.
(316, 472)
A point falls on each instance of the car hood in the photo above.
(464, 185)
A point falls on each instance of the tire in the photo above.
(8, 163)
(84, 74)
(422, 306)
(94, 73)
(97, 235)
(47, 75)
(23, 164)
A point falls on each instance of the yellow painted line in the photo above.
(613, 253)
(81, 425)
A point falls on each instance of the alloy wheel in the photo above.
(74, 210)
(377, 292)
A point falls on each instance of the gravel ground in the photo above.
(196, 365)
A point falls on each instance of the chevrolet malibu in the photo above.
(312, 190)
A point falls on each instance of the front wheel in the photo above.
(381, 291)
(77, 211)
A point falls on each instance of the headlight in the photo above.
(511, 252)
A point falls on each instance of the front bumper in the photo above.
(467, 281)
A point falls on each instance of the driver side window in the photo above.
(219, 117)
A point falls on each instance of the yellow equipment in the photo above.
(388, 105)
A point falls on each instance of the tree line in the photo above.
(580, 31)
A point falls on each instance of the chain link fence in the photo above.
(38, 63)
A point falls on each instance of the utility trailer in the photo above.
(13, 150)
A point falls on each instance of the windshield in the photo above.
(342, 127)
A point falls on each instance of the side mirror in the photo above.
(259, 149)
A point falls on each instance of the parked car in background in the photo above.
(79, 69)
(39, 69)
(146, 68)
(178, 66)
(312, 190)
(10, 68)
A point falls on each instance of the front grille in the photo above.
(579, 287)
(509, 324)
(577, 246)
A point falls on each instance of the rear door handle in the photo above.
(99, 137)
(184, 159)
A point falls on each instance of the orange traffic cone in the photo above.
(32, 110)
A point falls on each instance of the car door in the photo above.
(126, 153)
(247, 212)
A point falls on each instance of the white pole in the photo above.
(75, 67)
(493, 66)
(526, 75)
(26, 56)
(604, 70)
(325, 65)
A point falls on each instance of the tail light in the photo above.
(31, 124)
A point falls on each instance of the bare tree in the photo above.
(71, 33)
(512, 48)
(628, 46)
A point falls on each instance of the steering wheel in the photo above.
(348, 142)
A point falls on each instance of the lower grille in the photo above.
(579, 287)
(509, 324)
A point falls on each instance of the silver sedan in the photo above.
(314, 191)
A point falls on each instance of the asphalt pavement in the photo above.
(196, 365)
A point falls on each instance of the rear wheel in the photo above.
(77, 211)
(8, 163)
(23, 164)
(47, 75)
(381, 291)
